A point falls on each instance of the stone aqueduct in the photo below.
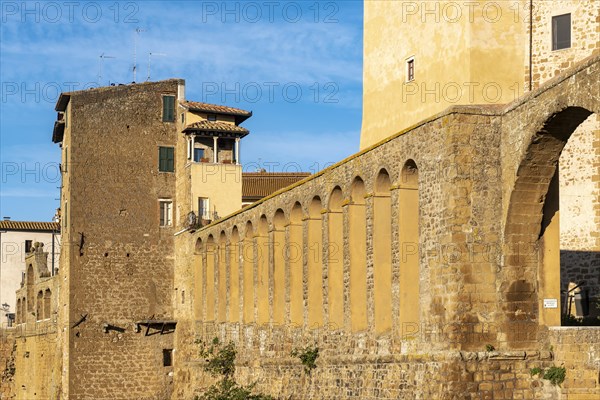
(423, 245)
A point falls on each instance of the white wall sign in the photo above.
(550, 303)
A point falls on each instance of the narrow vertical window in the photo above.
(166, 159)
(66, 163)
(561, 32)
(166, 212)
(410, 69)
(28, 246)
(204, 208)
(168, 108)
(167, 357)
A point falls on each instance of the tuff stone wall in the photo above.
(579, 162)
(7, 366)
(483, 174)
(118, 262)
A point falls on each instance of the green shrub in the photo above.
(308, 356)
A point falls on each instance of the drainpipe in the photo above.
(53, 254)
(530, 45)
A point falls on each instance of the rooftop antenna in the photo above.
(102, 57)
(138, 30)
(149, 60)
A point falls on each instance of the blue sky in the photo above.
(297, 65)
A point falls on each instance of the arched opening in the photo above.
(357, 233)
(30, 279)
(579, 223)
(538, 246)
(262, 246)
(234, 277)
(198, 279)
(279, 267)
(222, 290)
(382, 252)
(211, 250)
(248, 267)
(294, 255)
(39, 312)
(47, 304)
(314, 263)
(335, 259)
(408, 225)
(19, 315)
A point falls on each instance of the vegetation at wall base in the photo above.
(556, 375)
(220, 362)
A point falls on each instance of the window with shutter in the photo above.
(168, 108)
(166, 159)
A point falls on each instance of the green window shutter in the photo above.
(161, 159)
(168, 108)
(166, 159)
(170, 159)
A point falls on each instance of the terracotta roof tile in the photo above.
(29, 226)
(216, 126)
(215, 108)
(256, 185)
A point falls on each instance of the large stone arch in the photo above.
(531, 271)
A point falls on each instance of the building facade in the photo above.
(429, 265)
(16, 242)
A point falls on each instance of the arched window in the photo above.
(279, 279)
(30, 295)
(262, 259)
(382, 252)
(222, 288)
(39, 312)
(335, 259)
(248, 260)
(19, 312)
(199, 279)
(314, 262)
(409, 247)
(47, 304)
(211, 250)
(234, 276)
(294, 255)
(358, 256)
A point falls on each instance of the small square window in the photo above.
(410, 69)
(561, 32)
(167, 357)
(166, 159)
(168, 108)
(211, 117)
(166, 212)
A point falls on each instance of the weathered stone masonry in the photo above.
(483, 174)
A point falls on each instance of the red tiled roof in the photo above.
(215, 108)
(256, 185)
(29, 226)
(216, 126)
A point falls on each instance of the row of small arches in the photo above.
(41, 306)
(305, 259)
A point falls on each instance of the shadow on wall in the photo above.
(580, 274)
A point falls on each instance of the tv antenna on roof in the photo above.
(102, 57)
(138, 30)
(149, 60)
